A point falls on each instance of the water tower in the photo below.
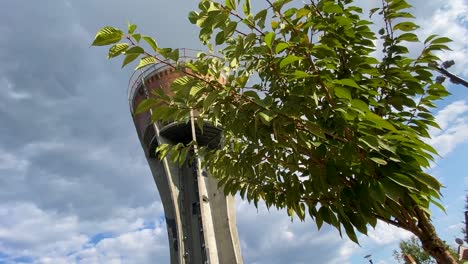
(200, 219)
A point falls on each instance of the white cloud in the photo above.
(50, 237)
(9, 161)
(455, 227)
(38, 147)
(269, 236)
(385, 234)
(139, 246)
(450, 19)
(7, 88)
(27, 230)
(453, 119)
(380, 242)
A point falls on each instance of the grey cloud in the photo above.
(88, 179)
(69, 152)
(75, 99)
(63, 238)
(269, 236)
(43, 54)
(165, 20)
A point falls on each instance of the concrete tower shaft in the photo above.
(200, 219)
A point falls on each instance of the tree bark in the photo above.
(437, 249)
(425, 231)
(430, 241)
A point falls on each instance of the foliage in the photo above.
(413, 248)
(315, 121)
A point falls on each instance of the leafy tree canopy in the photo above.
(413, 248)
(315, 120)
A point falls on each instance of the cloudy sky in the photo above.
(74, 184)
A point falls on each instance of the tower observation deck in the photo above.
(200, 219)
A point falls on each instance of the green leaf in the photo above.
(174, 55)
(348, 82)
(161, 112)
(137, 37)
(162, 150)
(146, 105)
(193, 17)
(107, 35)
(229, 30)
(129, 58)
(405, 26)
(428, 39)
(151, 42)
(319, 220)
(251, 94)
(261, 16)
(377, 192)
(410, 37)
(246, 7)
(135, 50)
(281, 46)
(301, 74)
(131, 28)
(441, 207)
(360, 105)
(379, 161)
(208, 102)
(266, 117)
(441, 40)
(370, 141)
(350, 231)
(326, 214)
(231, 4)
(183, 155)
(195, 89)
(398, 5)
(333, 178)
(391, 189)
(380, 121)
(342, 92)
(303, 12)
(145, 62)
(428, 180)
(401, 15)
(269, 38)
(266, 102)
(288, 60)
(372, 11)
(437, 47)
(429, 148)
(220, 38)
(290, 212)
(116, 50)
(402, 180)
(331, 7)
(165, 52)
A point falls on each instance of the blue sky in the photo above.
(74, 184)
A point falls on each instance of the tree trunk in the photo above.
(431, 243)
(437, 249)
